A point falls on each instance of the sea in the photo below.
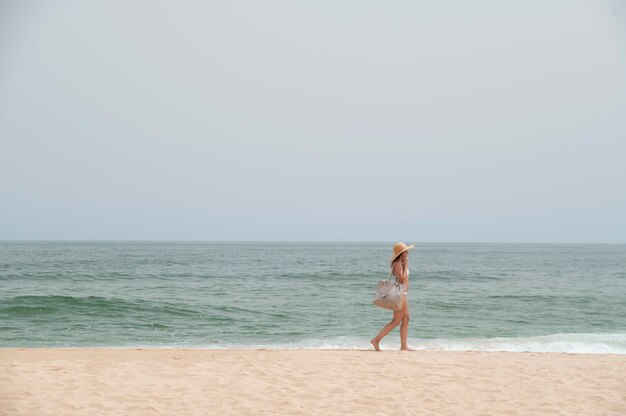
(299, 295)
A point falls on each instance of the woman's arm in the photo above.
(399, 270)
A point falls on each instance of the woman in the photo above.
(400, 269)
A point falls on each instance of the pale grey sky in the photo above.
(482, 121)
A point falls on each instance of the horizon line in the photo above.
(294, 241)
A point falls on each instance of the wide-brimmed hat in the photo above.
(398, 249)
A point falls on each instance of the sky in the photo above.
(416, 121)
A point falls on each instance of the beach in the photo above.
(137, 328)
(302, 382)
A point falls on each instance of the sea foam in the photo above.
(568, 343)
(560, 343)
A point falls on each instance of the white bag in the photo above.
(389, 294)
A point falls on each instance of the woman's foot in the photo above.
(374, 342)
(407, 349)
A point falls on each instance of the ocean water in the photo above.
(491, 297)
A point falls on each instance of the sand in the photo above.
(307, 382)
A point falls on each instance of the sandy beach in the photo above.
(305, 382)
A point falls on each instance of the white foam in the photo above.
(565, 343)
(568, 343)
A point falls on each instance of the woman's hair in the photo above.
(397, 259)
(393, 263)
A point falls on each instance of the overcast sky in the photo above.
(416, 121)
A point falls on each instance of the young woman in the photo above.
(400, 269)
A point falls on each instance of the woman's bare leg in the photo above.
(404, 326)
(395, 321)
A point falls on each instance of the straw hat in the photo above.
(398, 249)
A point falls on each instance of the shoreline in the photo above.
(567, 343)
(295, 349)
(190, 381)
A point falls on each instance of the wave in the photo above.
(46, 305)
(103, 321)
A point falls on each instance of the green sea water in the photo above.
(519, 297)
